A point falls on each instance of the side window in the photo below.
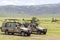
(5, 24)
(11, 24)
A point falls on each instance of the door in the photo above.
(10, 27)
(17, 27)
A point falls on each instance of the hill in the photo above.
(46, 10)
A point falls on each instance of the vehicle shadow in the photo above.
(38, 34)
(13, 35)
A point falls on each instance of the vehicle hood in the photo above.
(24, 28)
(38, 27)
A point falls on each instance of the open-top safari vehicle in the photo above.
(34, 26)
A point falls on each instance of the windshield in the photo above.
(12, 24)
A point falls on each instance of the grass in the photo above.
(53, 32)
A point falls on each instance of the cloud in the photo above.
(27, 2)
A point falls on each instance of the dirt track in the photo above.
(45, 37)
(32, 37)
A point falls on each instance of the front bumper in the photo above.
(44, 30)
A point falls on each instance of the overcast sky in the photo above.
(28, 2)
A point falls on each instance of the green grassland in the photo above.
(53, 32)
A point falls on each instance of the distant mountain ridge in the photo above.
(33, 10)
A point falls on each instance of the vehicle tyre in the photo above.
(6, 32)
(44, 32)
(28, 34)
(22, 33)
(12, 33)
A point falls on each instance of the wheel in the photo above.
(22, 33)
(6, 32)
(44, 32)
(28, 34)
(12, 33)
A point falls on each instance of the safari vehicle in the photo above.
(12, 26)
(35, 26)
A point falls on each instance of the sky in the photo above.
(28, 2)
